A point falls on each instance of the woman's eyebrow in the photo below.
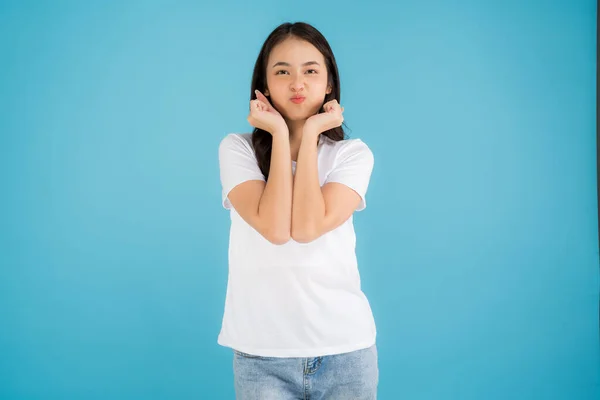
(283, 63)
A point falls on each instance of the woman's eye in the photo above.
(280, 72)
(314, 71)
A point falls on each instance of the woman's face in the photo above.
(296, 79)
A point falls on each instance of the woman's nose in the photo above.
(297, 84)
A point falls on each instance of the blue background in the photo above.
(478, 250)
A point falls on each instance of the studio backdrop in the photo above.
(478, 249)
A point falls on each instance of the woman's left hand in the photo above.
(331, 118)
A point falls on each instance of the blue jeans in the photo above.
(353, 375)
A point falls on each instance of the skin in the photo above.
(289, 205)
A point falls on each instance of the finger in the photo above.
(258, 105)
(262, 97)
(262, 105)
(330, 105)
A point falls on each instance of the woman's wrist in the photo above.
(309, 133)
(281, 131)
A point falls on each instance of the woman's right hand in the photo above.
(264, 116)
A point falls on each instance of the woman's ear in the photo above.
(266, 92)
(328, 89)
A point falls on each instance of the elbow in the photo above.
(278, 238)
(303, 236)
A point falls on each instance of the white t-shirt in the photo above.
(295, 299)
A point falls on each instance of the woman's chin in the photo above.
(296, 116)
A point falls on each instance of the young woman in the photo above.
(295, 316)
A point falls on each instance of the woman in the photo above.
(295, 315)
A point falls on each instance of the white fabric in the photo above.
(295, 299)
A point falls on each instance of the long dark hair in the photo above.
(262, 141)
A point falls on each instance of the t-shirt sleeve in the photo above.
(237, 164)
(353, 167)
